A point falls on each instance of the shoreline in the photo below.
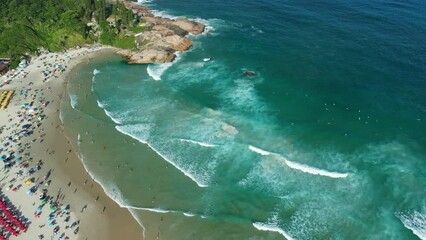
(100, 216)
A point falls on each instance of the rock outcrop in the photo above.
(147, 56)
(164, 37)
(189, 26)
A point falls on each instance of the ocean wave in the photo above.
(111, 191)
(270, 228)
(164, 14)
(144, 1)
(416, 222)
(242, 96)
(258, 150)
(313, 170)
(156, 70)
(108, 113)
(126, 130)
(301, 167)
(157, 210)
(199, 143)
(189, 214)
(73, 100)
(95, 72)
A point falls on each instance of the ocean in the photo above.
(326, 141)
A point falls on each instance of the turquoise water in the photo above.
(326, 141)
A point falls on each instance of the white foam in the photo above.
(108, 113)
(155, 70)
(269, 228)
(73, 100)
(164, 14)
(157, 210)
(115, 196)
(189, 214)
(196, 142)
(123, 129)
(301, 167)
(101, 105)
(96, 72)
(258, 150)
(314, 171)
(416, 222)
(258, 30)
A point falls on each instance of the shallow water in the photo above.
(326, 141)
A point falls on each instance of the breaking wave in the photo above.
(73, 100)
(199, 143)
(301, 167)
(313, 170)
(128, 131)
(269, 228)
(416, 222)
(258, 150)
(157, 69)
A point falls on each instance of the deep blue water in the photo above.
(326, 141)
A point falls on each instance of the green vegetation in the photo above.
(117, 40)
(28, 25)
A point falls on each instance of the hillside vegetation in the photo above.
(28, 25)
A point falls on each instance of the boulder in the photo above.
(189, 26)
(147, 56)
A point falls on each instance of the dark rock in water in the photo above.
(250, 73)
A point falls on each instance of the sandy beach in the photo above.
(44, 182)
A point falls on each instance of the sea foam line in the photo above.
(416, 223)
(195, 142)
(109, 114)
(73, 100)
(104, 188)
(314, 171)
(165, 158)
(301, 167)
(269, 228)
(159, 210)
(258, 150)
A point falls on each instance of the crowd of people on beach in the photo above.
(25, 127)
(21, 171)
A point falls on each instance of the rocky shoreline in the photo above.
(162, 38)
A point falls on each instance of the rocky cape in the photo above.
(162, 37)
